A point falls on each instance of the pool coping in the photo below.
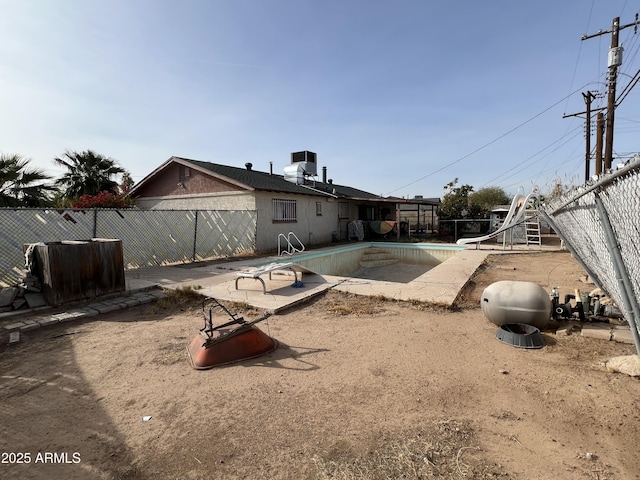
(441, 285)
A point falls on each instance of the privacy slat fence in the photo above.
(600, 224)
(149, 237)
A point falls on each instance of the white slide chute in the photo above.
(515, 216)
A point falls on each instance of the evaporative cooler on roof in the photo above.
(308, 161)
(303, 164)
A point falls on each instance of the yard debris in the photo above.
(627, 364)
(7, 296)
(25, 294)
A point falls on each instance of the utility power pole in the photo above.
(599, 136)
(588, 97)
(615, 60)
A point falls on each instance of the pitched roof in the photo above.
(266, 181)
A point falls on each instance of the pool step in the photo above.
(376, 257)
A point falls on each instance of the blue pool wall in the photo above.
(345, 259)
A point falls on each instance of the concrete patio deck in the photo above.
(440, 285)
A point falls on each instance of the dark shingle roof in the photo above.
(276, 183)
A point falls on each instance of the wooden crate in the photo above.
(74, 270)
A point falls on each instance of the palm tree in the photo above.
(88, 173)
(21, 186)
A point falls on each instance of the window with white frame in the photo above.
(318, 209)
(343, 210)
(284, 210)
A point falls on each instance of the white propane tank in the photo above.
(508, 301)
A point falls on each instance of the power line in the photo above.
(541, 171)
(575, 132)
(491, 142)
(628, 88)
(575, 68)
(632, 120)
(534, 178)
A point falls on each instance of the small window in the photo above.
(367, 213)
(343, 210)
(319, 209)
(284, 210)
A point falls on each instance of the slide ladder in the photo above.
(532, 227)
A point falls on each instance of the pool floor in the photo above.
(398, 272)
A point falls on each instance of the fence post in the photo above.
(195, 236)
(95, 223)
(626, 288)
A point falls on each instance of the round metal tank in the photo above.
(508, 301)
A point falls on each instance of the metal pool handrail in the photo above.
(291, 249)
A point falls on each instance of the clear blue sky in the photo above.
(397, 97)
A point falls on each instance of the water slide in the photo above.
(515, 216)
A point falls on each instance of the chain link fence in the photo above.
(600, 225)
(462, 228)
(149, 237)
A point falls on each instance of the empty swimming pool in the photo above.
(446, 267)
(393, 262)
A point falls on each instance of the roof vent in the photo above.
(248, 165)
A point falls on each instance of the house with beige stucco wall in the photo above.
(315, 209)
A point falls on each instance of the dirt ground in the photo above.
(358, 388)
